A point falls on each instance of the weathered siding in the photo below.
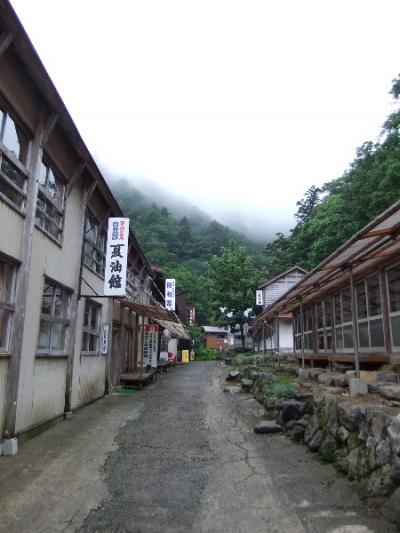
(10, 240)
(91, 378)
(48, 389)
(274, 290)
(3, 381)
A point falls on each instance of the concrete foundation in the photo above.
(10, 447)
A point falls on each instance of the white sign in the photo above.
(170, 294)
(150, 345)
(104, 339)
(116, 257)
(259, 298)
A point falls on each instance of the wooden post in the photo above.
(136, 342)
(142, 348)
(385, 312)
(263, 336)
(277, 333)
(302, 332)
(355, 325)
(21, 295)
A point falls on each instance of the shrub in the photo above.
(206, 354)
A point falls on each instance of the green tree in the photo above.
(233, 280)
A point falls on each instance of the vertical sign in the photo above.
(116, 257)
(170, 294)
(150, 345)
(192, 316)
(104, 339)
(259, 298)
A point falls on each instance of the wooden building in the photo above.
(62, 344)
(348, 308)
(278, 329)
(217, 338)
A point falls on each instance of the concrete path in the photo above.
(179, 456)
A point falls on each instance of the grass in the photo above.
(123, 390)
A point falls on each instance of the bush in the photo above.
(206, 354)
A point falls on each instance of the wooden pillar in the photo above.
(136, 342)
(277, 333)
(355, 325)
(263, 336)
(142, 347)
(302, 332)
(385, 312)
(21, 296)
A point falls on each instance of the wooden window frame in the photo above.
(16, 164)
(92, 333)
(44, 196)
(369, 318)
(391, 314)
(342, 324)
(8, 306)
(96, 266)
(52, 319)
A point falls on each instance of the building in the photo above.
(348, 308)
(217, 338)
(62, 343)
(268, 336)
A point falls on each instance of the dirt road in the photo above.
(179, 456)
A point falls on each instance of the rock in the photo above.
(387, 377)
(357, 463)
(358, 387)
(297, 432)
(383, 453)
(268, 427)
(315, 372)
(394, 434)
(390, 392)
(291, 410)
(247, 384)
(342, 434)
(234, 375)
(379, 483)
(395, 471)
(264, 378)
(325, 379)
(304, 375)
(332, 378)
(316, 441)
(311, 429)
(328, 449)
(353, 441)
(391, 509)
(233, 390)
(304, 420)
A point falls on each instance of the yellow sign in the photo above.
(185, 356)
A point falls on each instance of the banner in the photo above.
(259, 298)
(150, 344)
(192, 316)
(116, 257)
(170, 294)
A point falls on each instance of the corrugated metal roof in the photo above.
(376, 243)
(214, 329)
(177, 329)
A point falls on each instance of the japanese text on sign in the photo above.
(259, 297)
(170, 294)
(116, 257)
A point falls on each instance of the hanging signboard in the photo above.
(192, 316)
(259, 298)
(150, 345)
(104, 339)
(170, 294)
(116, 257)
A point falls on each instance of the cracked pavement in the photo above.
(178, 456)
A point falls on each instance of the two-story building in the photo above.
(62, 343)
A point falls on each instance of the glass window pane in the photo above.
(376, 330)
(11, 194)
(57, 336)
(321, 343)
(42, 174)
(346, 305)
(328, 313)
(59, 303)
(5, 317)
(15, 140)
(393, 275)
(374, 296)
(44, 335)
(320, 316)
(92, 343)
(395, 324)
(329, 340)
(339, 338)
(338, 313)
(93, 321)
(348, 336)
(361, 300)
(85, 342)
(47, 300)
(12, 173)
(6, 282)
(363, 335)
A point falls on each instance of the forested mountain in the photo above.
(181, 246)
(329, 215)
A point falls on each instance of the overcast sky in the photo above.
(238, 105)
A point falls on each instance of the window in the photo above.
(95, 245)
(50, 203)
(7, 289)
(13, 151)
(393, 283)
(343, 320)
(324, 325)
(369, 314)
(54, 319)
(132, 284)
(91, 328)
(308, 328)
